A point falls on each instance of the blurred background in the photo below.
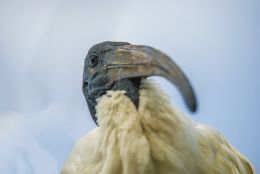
(43, 45)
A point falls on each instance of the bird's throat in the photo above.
(131, 86)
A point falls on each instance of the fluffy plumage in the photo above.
(156, 138)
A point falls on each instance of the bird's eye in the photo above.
(93, 60)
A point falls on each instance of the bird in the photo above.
(138, 130)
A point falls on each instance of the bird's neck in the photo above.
(136, 138)
(141, 102)
(130, 86)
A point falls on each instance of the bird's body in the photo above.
(154, 138)
(139, 131)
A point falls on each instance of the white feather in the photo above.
(156, 138)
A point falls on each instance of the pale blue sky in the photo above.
(42, 49)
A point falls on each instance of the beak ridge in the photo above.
(130, 61)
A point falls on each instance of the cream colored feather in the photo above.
(155, 139)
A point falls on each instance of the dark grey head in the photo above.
(120, 66)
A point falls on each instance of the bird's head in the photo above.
(121, 66)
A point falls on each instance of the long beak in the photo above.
(130, 61)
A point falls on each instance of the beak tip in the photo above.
(193, 106)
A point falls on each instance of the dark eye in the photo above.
(93, 60)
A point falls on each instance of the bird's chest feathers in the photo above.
(117, 112)
(140, 136)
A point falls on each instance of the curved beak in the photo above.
(130, 61)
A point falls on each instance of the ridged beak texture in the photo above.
(130, 61)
